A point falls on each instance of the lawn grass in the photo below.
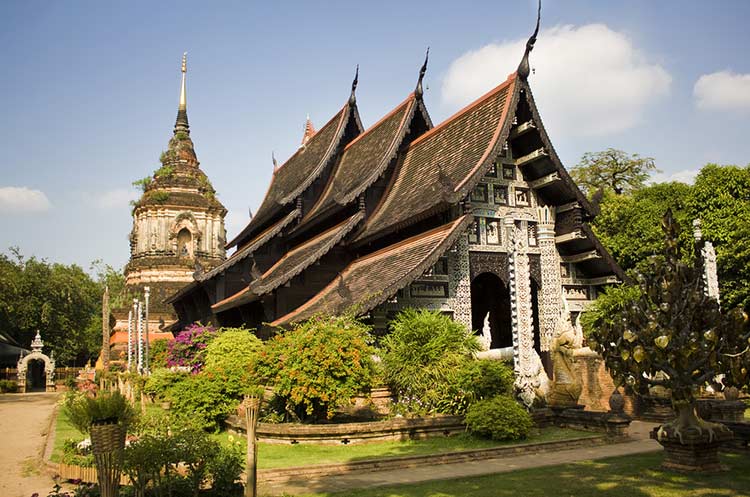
(288, 455)
(63, 431)
(628, 476)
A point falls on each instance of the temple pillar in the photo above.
(460, 291)
(520, 312)
(551, 297)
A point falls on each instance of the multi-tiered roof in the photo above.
(355, 215)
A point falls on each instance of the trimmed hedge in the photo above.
(499, 418)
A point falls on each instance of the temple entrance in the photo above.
(544, 356)
(36, 380)
(490, 294)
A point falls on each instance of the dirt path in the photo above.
(24, 421)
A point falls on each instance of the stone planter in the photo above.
(695, 452)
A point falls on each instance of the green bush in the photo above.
(8, 386)
(84, 411)
(168, 443)
(422, 357)
(319, 365)
(498, 418)
(481, 379)
(160, 381)
(231, 358)
(203, 397)
(158, 350)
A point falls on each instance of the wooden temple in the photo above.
(475, 217)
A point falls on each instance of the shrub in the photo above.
(421, 359)
(161, 381)
(83, 411)
(226, 468)
(158, 351)
(74, 455)
(476, 380)
(231, 358)
(8, 386)
(203, 397)
(319, 365)
(189, 346)
(499, 418)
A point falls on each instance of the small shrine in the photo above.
(36, 354)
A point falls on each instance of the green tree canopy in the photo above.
(612, 170)
(628, 225)
(721, 199)
(58, 300)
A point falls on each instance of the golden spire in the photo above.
(182, 120)
(183, 95)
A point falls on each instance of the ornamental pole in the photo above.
(252, 407)
(147, 292)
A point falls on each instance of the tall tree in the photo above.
(612, 170)
(58, 300)
(629, 226)
(721, 199)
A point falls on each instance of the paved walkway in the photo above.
(639, 443)
(24, 421)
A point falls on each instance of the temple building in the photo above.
(178, 226)
(475, 217)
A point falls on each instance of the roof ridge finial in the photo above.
(273, 159)
(182, 120)
(524, 68)
(308, 132)
(419, 91)
(353, 96)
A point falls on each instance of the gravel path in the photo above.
(24, 421)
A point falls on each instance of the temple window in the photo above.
(479, 194)
(500, 194)
(522, 196)
(474, 232)
(493, 232)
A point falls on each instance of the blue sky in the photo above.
(89, 90)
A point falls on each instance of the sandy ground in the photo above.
(24, 421)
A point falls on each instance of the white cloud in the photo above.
(21, 199)
(589, 80)
(686, 176)
(115, 199)
(723, 90)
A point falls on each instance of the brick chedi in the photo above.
(178, 226)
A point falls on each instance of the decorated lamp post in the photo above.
(252, 407)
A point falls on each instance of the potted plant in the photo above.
(105, 418)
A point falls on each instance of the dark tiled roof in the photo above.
(372, 279)
(297, 173)
(291, 264)
(441, 165)
(252, 246)
(366, 158)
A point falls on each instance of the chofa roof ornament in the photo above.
(524, 68)
(353, 96)
(419, 91)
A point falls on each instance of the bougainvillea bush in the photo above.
(319, 365)
(189, 347)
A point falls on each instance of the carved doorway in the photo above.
(490, 294)
(36, 380)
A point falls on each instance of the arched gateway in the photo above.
(36, 354)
